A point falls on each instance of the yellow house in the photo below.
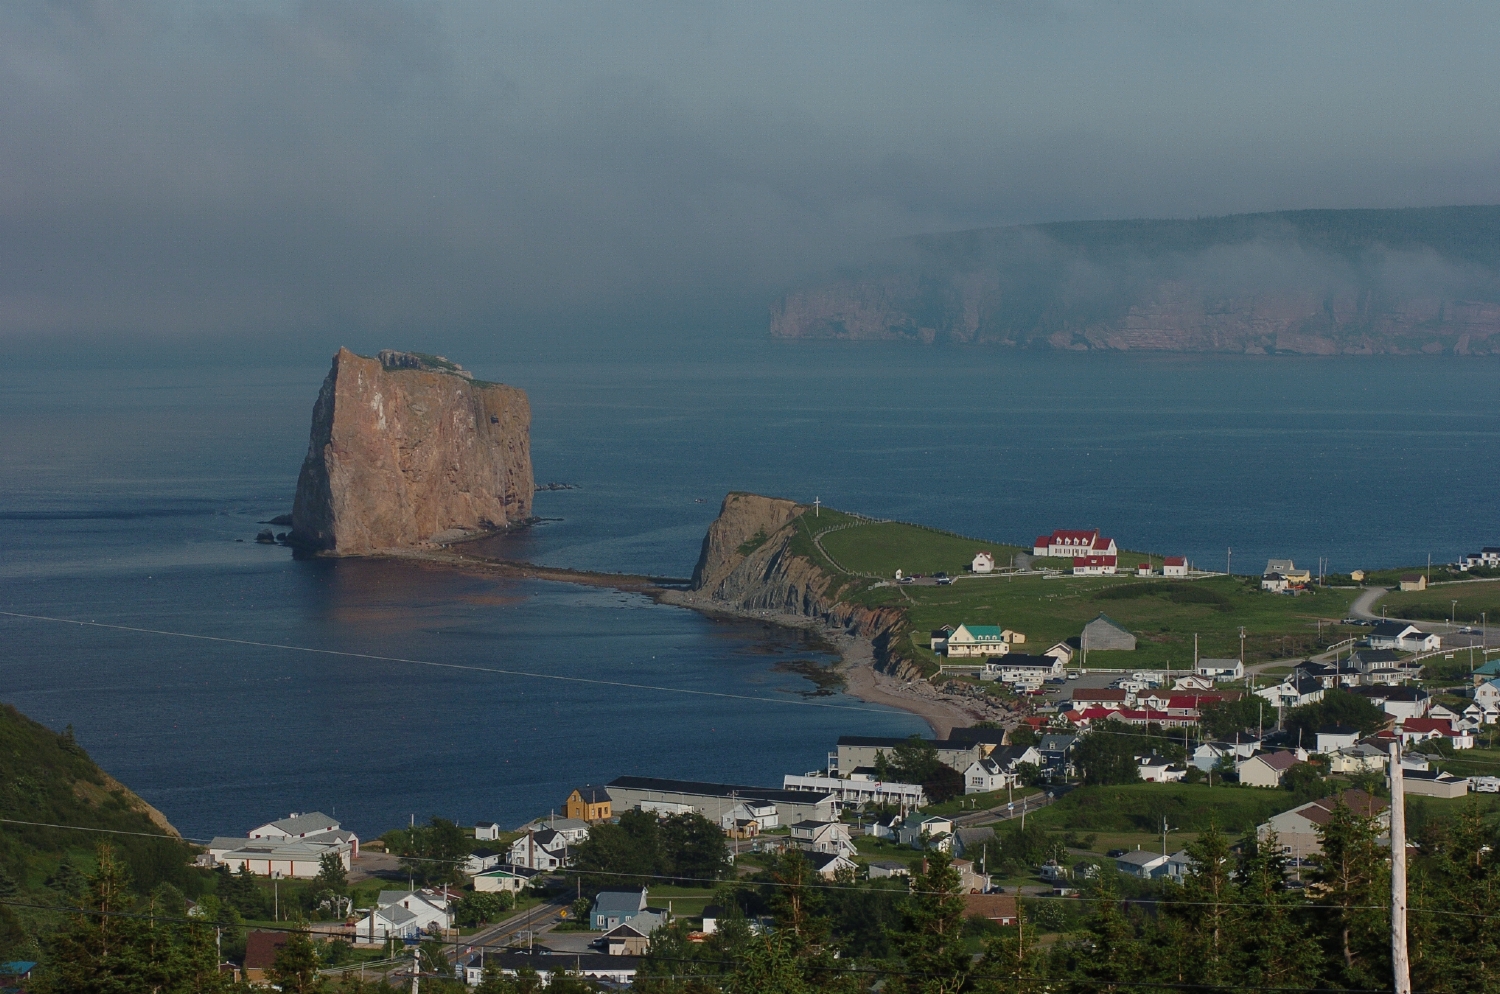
(1358, 575)
(590, 803)
(1414, 581)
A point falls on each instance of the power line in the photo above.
(530, 675)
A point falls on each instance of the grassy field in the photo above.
(1435, 602)
(979, 802)
(1163, 614)
(1129, 809)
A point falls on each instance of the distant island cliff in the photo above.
(409, 450)
(1324, 282)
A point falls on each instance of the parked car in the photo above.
(944, 581)
(1115, 853)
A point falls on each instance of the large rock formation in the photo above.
(408, 450)
(1312, 282)
(749, 564)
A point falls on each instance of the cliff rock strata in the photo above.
(408, 450)
(748, 564)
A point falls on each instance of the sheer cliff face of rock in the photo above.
(1313, 282)
(747, 563)
(410, 451)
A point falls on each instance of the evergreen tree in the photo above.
(295, 968)
(930, 940)
(1278, 947)
(1353, 875)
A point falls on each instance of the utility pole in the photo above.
(1399, 965)
(1228, 558)
(1242, 645)
(416, 966)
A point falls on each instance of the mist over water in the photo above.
(123, 492)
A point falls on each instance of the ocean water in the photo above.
(124, 490)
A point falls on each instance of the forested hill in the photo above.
(47, 777)
(1320, 281)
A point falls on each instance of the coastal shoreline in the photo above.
(862, 680)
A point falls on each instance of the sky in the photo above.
(259, 171)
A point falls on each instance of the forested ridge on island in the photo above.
(1413, 281)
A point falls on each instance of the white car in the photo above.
(1486, 785)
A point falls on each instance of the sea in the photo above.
(229, 683)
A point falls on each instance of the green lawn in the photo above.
(972, 802)
(1435, 602)
(1139, 808)
(1163, 614)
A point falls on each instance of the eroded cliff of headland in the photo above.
(408, 450)
(759, 555)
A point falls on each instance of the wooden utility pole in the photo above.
(1400, 968)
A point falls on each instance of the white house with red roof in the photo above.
(1095, 565)
(1064, 544)
(1174, 566)
(1413, 730)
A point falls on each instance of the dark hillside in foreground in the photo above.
(47, 777)
(1318, 282)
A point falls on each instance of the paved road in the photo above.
(1027, 804)
(1364, 602)
(540, 918)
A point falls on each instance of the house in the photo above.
(998, 770)
(855, 751)
(486, 831)
(1174, 566)
(1488, 556)
(1414, 730)
(295, 826)
(999, 908)
(480, 860)
(1413, 581)
(616, 907)
(544, 850)
(1275, 583)
(1094, 565)
(913, 832)
(937, 639)
(1297, 828)
(1288, 570)
(1156, 769)
(1331, 675)
(823, 836)
(572, 830)
(828, 864)
(1106, 633)
(589, 803)
(260, 954)
(1431, 783)
(1403, 636)
(1055, 748)
(1062, 652)
(1399, 702)
(1064, 544)
(1357, 575)
(1219, 669)
(983, 563)
(1207, 755)
(712, 799)
(746, 819)
(1179, 866)
(404, 914)
(301, 858)
(880, 869)
(1487, 695)
(1265, 769)
(1293, 691)
(510, 879)
(968, 641)
(1109, 698)
(1193, 682)
(1022, 669)
(1141, 863)
(885, 827)
(626, 940)
(970, 882)
(1366, 660)
(1143, 569)
(1335, 737)
(1359, 758)
(973, 842)
(617, 971)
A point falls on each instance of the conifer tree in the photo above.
(930, 940)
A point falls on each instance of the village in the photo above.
(1269, 749)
